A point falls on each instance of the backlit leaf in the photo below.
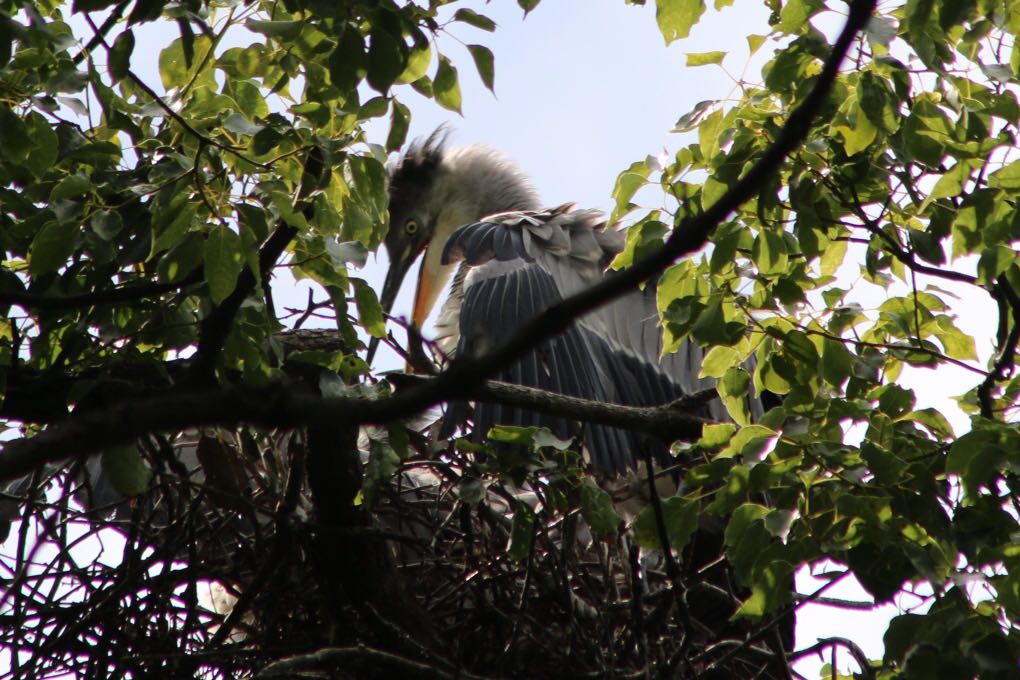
(677, 17)
(223, 262)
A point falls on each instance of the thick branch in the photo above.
(855, 650)
(330, 657)
(670, 421)
(214, 328)
(130, 293)
(285, 406)
(1007, 351)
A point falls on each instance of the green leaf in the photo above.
(293, 217)
(643, 238)
(14, 142)
(511, 434)
(754, 42)
(175, 69)
(485, 65)
(680, 517)
(473, 18)
(746, 538)
(284, 31)
(770, 590)
(749, 442)
(182, 259)
(677, 17)
(837, 362)
(597, 509)
(521, 532)
(418, 60)
(126, 469)
(770, 253)
(704, 58)
(709, 132)
(717, 435)
(711, 327)
(45, 144)
(387, 60)
(348, 63)
(51, 247)
(956, 343)
(369, 310)
(1006, 178)
(119, 63)
(445, 85)
(734, 389)
(224, 261)
(400, 121)
(795, 14)
(527, 5)
(239, 124)
(107, 224)
(860, 135)
(71, 186)
(952, 182)
(627, 184)
(718, 360)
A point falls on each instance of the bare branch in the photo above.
(129, 293)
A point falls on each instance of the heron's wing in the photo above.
(574, 247)
(518, 264)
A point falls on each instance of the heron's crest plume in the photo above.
(454, 186)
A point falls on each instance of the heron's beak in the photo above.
(399, 266)
(430, 281)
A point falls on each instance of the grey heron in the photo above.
(472, 214)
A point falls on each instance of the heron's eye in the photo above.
(411, 227)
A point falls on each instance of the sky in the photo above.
(580, 95)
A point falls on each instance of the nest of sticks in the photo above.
(275, 555)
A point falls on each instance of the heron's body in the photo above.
(476, 215)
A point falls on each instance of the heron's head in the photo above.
(432, 191)
(415, 188)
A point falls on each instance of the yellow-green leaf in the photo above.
(704, 58)
(223, 262)
(677, 17)
(446, 87)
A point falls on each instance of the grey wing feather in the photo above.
(571, 363)
(520, 264)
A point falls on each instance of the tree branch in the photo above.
(178, 118)
(131, 293)
(669, 421)
(859, 656)
(330, 657)
(1007, 350)
(281, 405)
(214, 328)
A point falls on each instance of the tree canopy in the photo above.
(170, 431)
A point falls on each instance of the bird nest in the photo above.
(446, 564)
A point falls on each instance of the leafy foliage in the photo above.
(144, 227)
